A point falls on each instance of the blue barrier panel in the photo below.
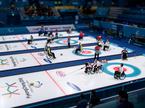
(127, 29)
(102, 11)
(13, 30)
(105, 25)
(96, 23)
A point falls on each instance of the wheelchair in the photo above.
(29, 41)
(88, 68)
(51, 55)
(118, 75)
(106, 48)
(97, 69)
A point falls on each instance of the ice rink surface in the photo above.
(34, 87)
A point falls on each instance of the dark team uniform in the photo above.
(30, 40)
(124, 54)
(68, 41)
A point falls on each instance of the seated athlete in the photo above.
(100, 43)
(69, 30)
(119, 71)
(56, 35)
(42, 30)
(124, 54)
(50, 53)
(50, 37)
(45, 33)
(97, 66)
(106, 45)
(121, 68)
(79, 48)
(30, 40)
(88, 67)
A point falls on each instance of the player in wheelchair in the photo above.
(106, 45)
(95, 67)
(88, 67)
(30, 40)
(50, 53)
(79, 48)
(120, 74)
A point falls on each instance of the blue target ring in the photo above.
(89, 50)
(136, 71)
(62, 41)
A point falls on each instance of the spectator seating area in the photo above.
(134, 15)
(38, 11)
(118, 22)
(137, 40)
(63, 9)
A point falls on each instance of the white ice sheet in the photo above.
(28, 88)
(59, 82)
(27, 36)
(6, 47)
(76, 76)
(40, 58)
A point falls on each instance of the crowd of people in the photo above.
(35, 8)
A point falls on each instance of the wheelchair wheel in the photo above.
(115, 75)
(102, 68)
(90, 70)
(122, 76)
